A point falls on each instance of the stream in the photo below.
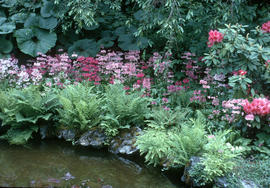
(56, 163)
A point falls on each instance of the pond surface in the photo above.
(59, 164)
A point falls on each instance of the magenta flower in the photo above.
(140, 75)
(266, 27)
(165, 100)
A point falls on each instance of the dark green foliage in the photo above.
(123, 110)
(81, 108)
(24, 111)
(134, 24)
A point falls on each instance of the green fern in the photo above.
(175, 145)
(161, 118)
(81, 108)
(123, 110)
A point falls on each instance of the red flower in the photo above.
(242, 73)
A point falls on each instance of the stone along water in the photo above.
(59, 164)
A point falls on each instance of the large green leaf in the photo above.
(6, 27)
(32, 41)
(37, 21)
(84, 47)
(5, 46)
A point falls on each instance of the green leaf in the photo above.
(48, 23)
(106, 42)
(84, 47)
(139, 15)
(37, 21)
(32, 21)
(32, 41)
(6, 27)
(46, 9)
(19, 17)
(8, 3)
(5, 46)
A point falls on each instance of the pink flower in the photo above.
(214, 36)
(186, 80)
(153, 102)
(211, 136)
(249, 117)
(203, 82)
(146, 83)
(166, 108)
(165, 100)
(140, 75)
(266, 27)
(126, 88)
(206, 86)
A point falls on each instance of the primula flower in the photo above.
(186, 80)
(266, 27)
(165, 100)
(214, 36)
(249, 117)
(140, 75)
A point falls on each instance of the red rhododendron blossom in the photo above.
(266, 27)
(259, 106)
(242, 73)
(214, 36)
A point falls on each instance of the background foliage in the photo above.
(128, 24)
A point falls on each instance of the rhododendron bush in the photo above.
(242, 56)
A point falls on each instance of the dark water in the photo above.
(58, 164)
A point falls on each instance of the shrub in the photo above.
(241, 55)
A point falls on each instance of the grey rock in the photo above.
(107, 186)
(186, 177)
(92, 138)
(68, 135)
(248, 184)
(221, 182)
(124, 142)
